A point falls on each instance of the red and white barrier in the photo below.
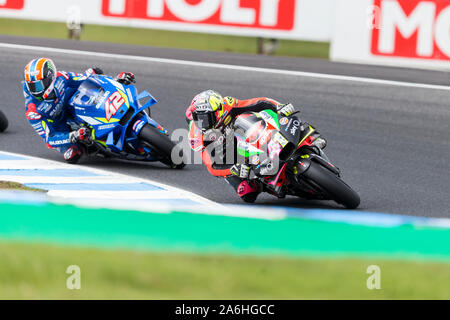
(290, 19)
(411, 33)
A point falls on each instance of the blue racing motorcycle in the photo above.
(120, 122)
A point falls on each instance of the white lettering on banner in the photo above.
(420, 19)
(415, 29)
(443, 31)
(410, 33)
(117, 6)
(264, 14)
(232, 13)
(155, 8)
(193, 12)
(283, 19)
(269, 12)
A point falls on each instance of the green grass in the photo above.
(35, 271)
(9, 185)
(160, 38)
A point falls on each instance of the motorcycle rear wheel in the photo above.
(162, 144)
(337, 189)
(3, 122)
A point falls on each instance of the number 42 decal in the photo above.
(113, 104)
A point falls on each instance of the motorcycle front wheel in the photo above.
(330, 183)
(163, 146)
(3, 122)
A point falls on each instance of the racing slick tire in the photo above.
(163, 146)
(337, 189)
(3, 122)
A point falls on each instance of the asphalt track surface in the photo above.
(392, 143)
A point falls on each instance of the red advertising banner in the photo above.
(309, 20)
(412, 29)
(259, 14)
(12, 4)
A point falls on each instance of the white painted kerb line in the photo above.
(228, 67)
(83, 182)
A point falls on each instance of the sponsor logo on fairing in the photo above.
(33, 115)
(255, 160)
(102, 100)
(138, 126)
(295, 126)
(274, 149)
(44, 107)
(31, 112)
(284, 121)
(80, 77)
(243, 145)
(212, 137)
(268, 168)
(59, 142)
(38, 128)
(106, 126)
(59, 85)
(265, 137)
(113, 104)
(56, 110)
(63, 74)
(265, 115)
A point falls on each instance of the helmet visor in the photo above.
(204, 121)
(38, 87)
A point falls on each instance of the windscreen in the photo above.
(251, 126)
(89, 94)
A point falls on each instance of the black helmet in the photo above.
(207, 109)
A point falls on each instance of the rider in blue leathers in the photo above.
(47, 93)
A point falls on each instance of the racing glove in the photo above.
(81, 135)
(97, 70)
(240, 170)
(94, 70)
(213, 135)
(126, 78)
(285, 109)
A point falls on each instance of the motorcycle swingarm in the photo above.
(119, 155)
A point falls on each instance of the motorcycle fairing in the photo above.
(286, 135)
(110, 109)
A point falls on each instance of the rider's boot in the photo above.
(73, 154)
(248, 190)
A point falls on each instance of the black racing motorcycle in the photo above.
(285, 158)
